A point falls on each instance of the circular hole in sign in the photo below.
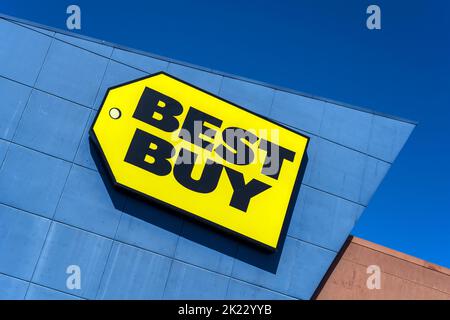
(115, 113)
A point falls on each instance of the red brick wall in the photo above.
(401, 276)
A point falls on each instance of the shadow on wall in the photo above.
(202, 234)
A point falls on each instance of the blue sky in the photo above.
(322, 48)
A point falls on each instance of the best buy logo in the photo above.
(172, 142)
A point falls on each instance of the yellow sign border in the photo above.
(294, 192)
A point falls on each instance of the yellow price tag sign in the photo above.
(179, 145)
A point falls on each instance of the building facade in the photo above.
(400, 276)
(60, 214)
